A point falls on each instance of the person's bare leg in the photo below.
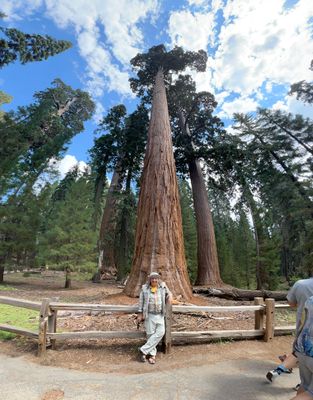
(303, 396)
(291, 361)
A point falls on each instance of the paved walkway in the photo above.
(235, 380)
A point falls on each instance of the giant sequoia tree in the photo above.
(194, 127)
(196, 130)
(159, 239)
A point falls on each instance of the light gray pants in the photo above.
(155, 329)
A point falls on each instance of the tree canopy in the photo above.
(24, 47)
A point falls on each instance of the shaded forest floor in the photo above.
(121, 355)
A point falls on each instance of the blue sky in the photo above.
(256, 49)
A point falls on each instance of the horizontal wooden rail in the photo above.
(206, 335)
(32, 305)
(18, 331)
(284, 306)
(284, 330)
(93, 307)
(98, 335)
(221, 309)
(134, 309)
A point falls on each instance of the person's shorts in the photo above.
(306, 372)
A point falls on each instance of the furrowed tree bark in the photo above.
(159, 242)
(208, 268)
(208, 272)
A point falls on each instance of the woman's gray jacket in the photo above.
(144, 298)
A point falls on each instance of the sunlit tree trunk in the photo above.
(159, 242)
(208, 272)
(208, 267)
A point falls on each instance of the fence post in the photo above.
(259, 315)
(43, 322)
(52, 322)
(168, 329)
(270, 319)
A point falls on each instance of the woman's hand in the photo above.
(140, 318)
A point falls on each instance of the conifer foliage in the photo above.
(24, 47)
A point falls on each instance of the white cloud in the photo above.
(64, 165)
(294, 106)
(24, 8)
(99, 112)
(108, 37)
(261, 45)
(241, 105)
(261, 41)
(192, 31)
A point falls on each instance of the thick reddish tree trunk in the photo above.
(208, 267)
(159, 244)
(208, 272)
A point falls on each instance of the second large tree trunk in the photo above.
(159, 242)
(208, 267)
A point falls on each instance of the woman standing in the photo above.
(153, 297)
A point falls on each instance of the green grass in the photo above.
(4, 287)
(285, 317)
(19, 317)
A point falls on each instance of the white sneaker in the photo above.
(272, 375)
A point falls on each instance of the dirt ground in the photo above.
(121, 355)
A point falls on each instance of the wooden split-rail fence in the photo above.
(47, 334)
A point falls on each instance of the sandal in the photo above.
(151, 360)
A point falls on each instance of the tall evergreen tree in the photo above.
(31, 137)
(120, 150)
(36, 133)
(17, 45)
(194, 128)
(69, 240)
(303, 89)
(159, 242)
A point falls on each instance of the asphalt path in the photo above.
(21, 379)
